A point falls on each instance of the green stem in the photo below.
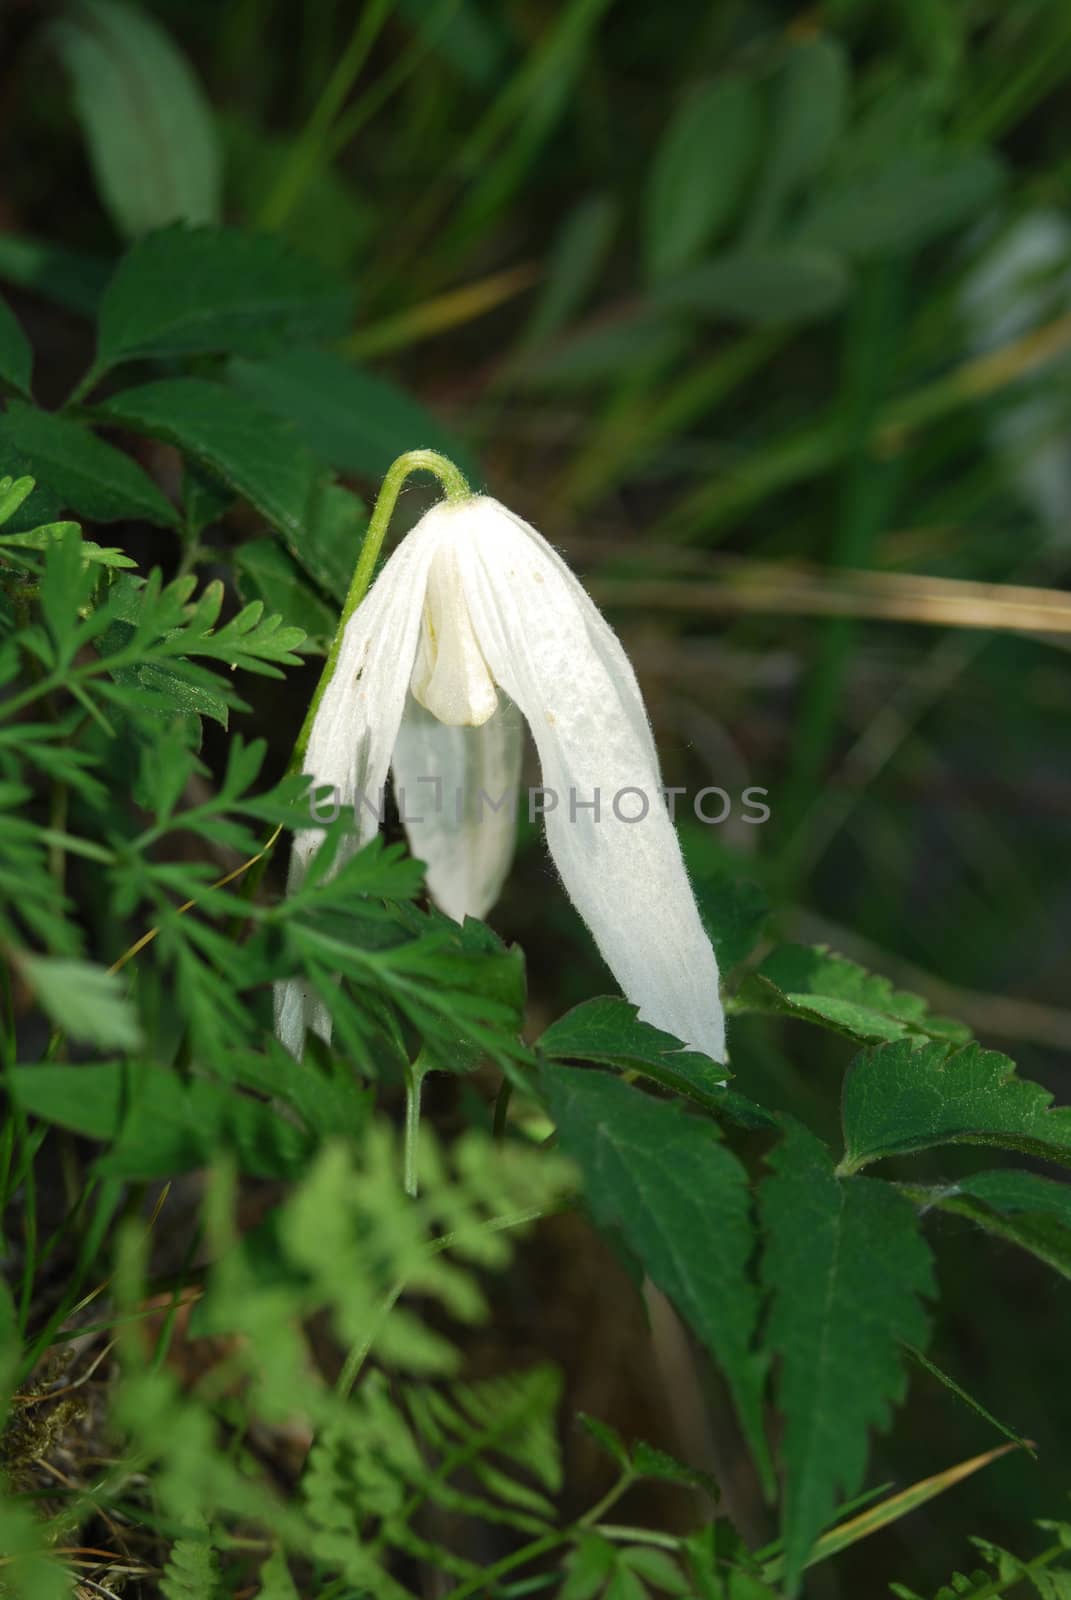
(866, 497)
(412, 461)
(314, 139)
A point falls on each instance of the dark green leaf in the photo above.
(150, 130)
(734, 911)
(577, 256)
(66, 277)
(205, 499)
(699, 171)
(184, 291)
(659, 1465)
(1030, 1211)
(845, 1265)
(81, 471)
(161, 1125)
(609, 1031)
(169, 692)
(328, 552)
(760, 287)
(811, 983)
(679, 1199)
(257, 455)
(332, 1102)
(1010, 1191)
(471, 38)
(607, 1436)
(657, 1569)
(809, 107)
(85, 1001)
(915, 200)
(16, 357)
(265, 572)
(349, 417)
(898, 1099)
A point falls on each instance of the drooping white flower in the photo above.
(473, 624)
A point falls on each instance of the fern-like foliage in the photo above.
(1047, 1575)
(192, 1571)
(349, 1241)
(483, 1453)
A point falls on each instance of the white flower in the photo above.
(473, 620)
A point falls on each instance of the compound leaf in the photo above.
(660, 1178)
(845, 1265)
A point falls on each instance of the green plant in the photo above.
(248, 1338)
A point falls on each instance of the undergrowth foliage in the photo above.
(233, 1332)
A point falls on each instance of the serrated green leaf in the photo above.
(86, 1001)
(734, 912)
(81, 471)
(609, 1031)
(661, 1467)
(256, 454)
(898, 1099)
(184, 291)
(679, 1199)
(760, 287)
(1030, 1211)
(16, 356)
(607, 1436)
(349, 417)
(700, 167)
(813, 984)
(846, 1266)
(150, 130)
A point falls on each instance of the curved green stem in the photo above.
(456, 489)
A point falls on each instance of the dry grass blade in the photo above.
(886, 1512)
(760, 587)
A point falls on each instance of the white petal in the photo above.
(457, 792)
(355, 728)
(450, 676)
(357, 721)
(553, 654)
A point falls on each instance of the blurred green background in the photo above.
(734, 301)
